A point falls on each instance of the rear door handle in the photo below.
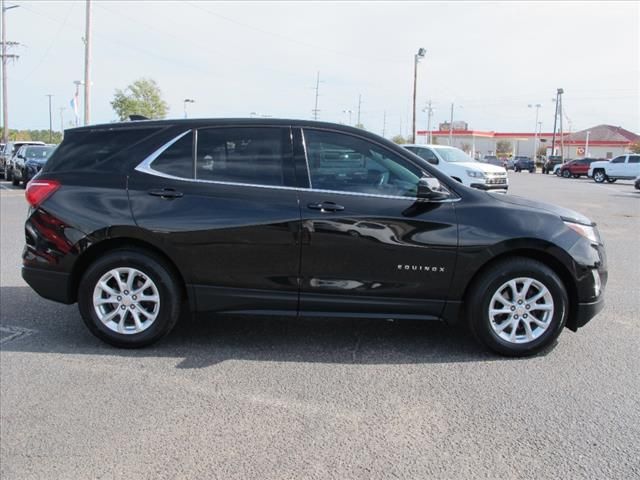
(326, 207)
(166, 193)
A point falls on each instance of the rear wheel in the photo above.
(566, 173)
(129, 298)
(518, 307)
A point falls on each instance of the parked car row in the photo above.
(21, 160)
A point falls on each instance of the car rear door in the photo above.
(222, 201)
(370, 247)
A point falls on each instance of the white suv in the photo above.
(624, 167)
(461, 167)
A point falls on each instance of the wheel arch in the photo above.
(95, 250)
(544, 257)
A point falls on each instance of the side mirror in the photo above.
(431, 189)
(432, 160)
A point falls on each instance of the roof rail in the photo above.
(133, 118)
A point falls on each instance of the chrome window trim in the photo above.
(145, 167)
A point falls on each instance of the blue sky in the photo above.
(491, 59)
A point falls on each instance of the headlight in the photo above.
(586, 231)
(474, 174)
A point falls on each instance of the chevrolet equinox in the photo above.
(138, 220)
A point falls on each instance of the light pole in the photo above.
(416, 58)
(5, 109)
(349, 112)
(87, 64)
(184, 104)
(50, 119)
(76, 101)
(429, 110)
(453, 105)
(535, 131)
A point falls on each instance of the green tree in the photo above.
(399, 139)
(142, 97)
(466, 147)
(635, 147)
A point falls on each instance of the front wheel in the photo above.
(7, 173)
(599, 176)
(566, 173)
(129, 298)
(518, 307)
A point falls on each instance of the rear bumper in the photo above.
(51, 285)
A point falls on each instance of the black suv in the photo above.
(135, 221)
(524, 163)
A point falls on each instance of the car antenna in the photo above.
(137, 117)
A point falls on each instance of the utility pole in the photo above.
(5, 57)
(359, 104)
(429, 110)
(559, 92)
(87, 65)
(586, 146)
(62, 120)
(384, 123)
(451, 126)
(315, 110)
(561, 129)
(50, 120)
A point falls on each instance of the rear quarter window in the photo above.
(92, 150)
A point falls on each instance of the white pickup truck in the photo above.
(624, 167)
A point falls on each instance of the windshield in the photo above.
(38, 153)
(453, 155)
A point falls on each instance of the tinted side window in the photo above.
(177, 160)
(618, 160)
(634, 158)
(252, 155)
(346, 163)
(91, 150)
(426, 154)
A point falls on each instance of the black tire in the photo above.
(533, 170)
(483, 289)
(15, 181)
(576, 176)
(169, 291)
(611, 180)
(516, 169)
(7, 173)
(566, 173)
(599, 176)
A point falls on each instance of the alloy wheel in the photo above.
(126, 300)
(521, 310)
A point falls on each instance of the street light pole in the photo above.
(535, 132)
(50, 120)
(184, 103)
(421, 53)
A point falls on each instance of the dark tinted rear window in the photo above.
(91, 150)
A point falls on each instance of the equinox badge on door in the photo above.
(421, 268)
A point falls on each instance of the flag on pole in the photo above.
(74, 105)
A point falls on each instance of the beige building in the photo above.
(601, 141)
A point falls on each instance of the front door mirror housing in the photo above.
(430, 188)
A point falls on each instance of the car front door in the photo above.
(370, 247)
(222, 201)
(616, 167)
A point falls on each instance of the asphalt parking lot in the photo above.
(241, 398)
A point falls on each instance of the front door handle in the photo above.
(166, 193)
(326, 207)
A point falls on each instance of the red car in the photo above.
(576, 168)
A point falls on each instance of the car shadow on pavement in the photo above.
(32, 324)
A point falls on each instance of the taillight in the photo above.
(39, 190)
